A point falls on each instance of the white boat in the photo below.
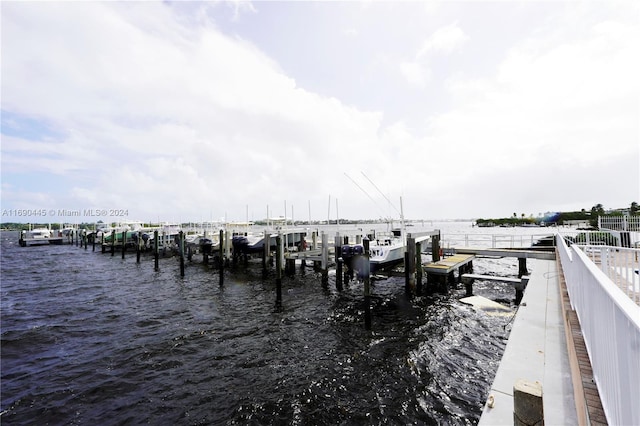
(245, 240)
(35, 237)
(167, 236)
(385, 251)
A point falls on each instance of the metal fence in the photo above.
(510, 241)
(619, 223)
(621, 265)
(610, 323)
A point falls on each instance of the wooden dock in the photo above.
(441, 272)
(447, 265)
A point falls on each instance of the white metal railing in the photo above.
(610, 324)
(620, 264)
(619, 223)
(491, 240)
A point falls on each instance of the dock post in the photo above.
(522, 270)
(527, 403)
(367, 289)
(303, 248)
(156, 249)
(410, 265)
(279, 271)
(221, 248)
(113, 242)
(419, 269)
(227, 246)
(339, 274)
(468, 286)
(337, 241)
(103, 248)
(265, 253)
(138, 240)
(93, 241)
(290, 266)
(407, 273)
(522, 267)
(325, 260)
(181, 239)
(124, 240)
(435, 247)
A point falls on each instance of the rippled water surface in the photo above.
(90, 338)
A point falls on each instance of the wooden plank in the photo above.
(492, 278)
(447, 265)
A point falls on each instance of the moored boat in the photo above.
(37, 237)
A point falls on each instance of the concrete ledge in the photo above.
(536, 352)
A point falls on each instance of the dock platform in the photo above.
(447, 265)
(537, 352)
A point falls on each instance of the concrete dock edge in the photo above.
(536, 352)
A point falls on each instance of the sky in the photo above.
(207, 111)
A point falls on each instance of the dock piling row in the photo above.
(440, 271)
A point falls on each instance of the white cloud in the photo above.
(166, 114)
(417, 71)
(415, 74)
(443, 40)
(169, 115)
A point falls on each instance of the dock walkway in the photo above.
(536, 352)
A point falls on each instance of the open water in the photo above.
(88, 338)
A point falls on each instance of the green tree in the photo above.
(634, 208)
(597, 210)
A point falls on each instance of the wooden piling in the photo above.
(222, 245)
(181, 242)
(527, 404)
(522, 267)
(337, 243)
(410, 266)
(303, 248)
(367, 289)
(138, 241)
(290, 266)
(325, 259)
(102, 241)
(407, 273)
(339, 274)
(279, 271)
(93, 241)
(156, 249)
(221, 248)
(124, 240)
(265, 253)
(113, 242)
(419, 269)
(435, 248)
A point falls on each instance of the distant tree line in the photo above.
(561, 218)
